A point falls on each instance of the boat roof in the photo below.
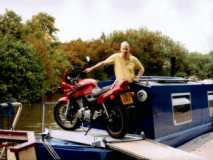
(149, 81)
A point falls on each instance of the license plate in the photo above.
(126, 98)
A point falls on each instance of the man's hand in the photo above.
(140, 73)
(136, 79)
(87, 70)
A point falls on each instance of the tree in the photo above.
(197, 64)
(209, 66)
(22, 73)
(153, 49)
(40, 33)
(10, 25)
(42, 25)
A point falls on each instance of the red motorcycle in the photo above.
(83, 102)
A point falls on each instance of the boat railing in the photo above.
(43, 113)
(19, 107)
(45, 132)
(163, 79)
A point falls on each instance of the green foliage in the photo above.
(10, 25)
(41, 26)
(21, 72)
(36, 36)
(59, 63)
(197, 65)
(32, 60)
(153, 49)
(40, 33)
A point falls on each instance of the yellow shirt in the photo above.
(124, 69)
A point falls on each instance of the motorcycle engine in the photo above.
(84, 114)
(87, 115)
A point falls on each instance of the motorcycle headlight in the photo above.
(142, 95)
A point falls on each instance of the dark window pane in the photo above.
(210, 100)
(181, 104)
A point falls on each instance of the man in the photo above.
(124, 63)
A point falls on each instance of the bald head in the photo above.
(125, 48)
(124, 43)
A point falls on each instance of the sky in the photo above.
(189, 22)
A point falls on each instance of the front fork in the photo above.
(66, 113)
(105, 110)
(70, 106)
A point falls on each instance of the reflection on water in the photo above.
(31, 117)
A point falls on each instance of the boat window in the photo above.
(181, 106)
(210, 103)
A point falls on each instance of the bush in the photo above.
(22, 74)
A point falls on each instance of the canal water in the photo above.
(31, 116)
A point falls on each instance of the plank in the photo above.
(95, 137)
(149, 149)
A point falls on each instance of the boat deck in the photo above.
(132, 145)
(201, 145)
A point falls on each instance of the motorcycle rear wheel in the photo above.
(117, 124)
(70, 123)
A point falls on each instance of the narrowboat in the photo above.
(168, 110)
(172, 110)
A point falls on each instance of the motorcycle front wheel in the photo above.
(67, 122)
(117, 124)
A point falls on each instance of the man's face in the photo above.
(125, 49)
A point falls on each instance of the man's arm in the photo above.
(89, 69)
(109, 60)
(141, 69)
(140, 73)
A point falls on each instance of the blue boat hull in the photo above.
(68, 151)
(155, 116)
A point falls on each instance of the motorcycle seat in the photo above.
(98, 91)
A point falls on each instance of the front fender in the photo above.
(63, 99)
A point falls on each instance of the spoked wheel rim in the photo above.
(64, 121)
(115, 122)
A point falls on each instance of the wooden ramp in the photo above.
(131, 145)
(95, 137)
(201, 146)
(149, 149)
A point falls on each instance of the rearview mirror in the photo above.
(87, 59)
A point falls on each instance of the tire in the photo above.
(70, 123)
(117, 125)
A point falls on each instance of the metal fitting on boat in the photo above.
(142, 95)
